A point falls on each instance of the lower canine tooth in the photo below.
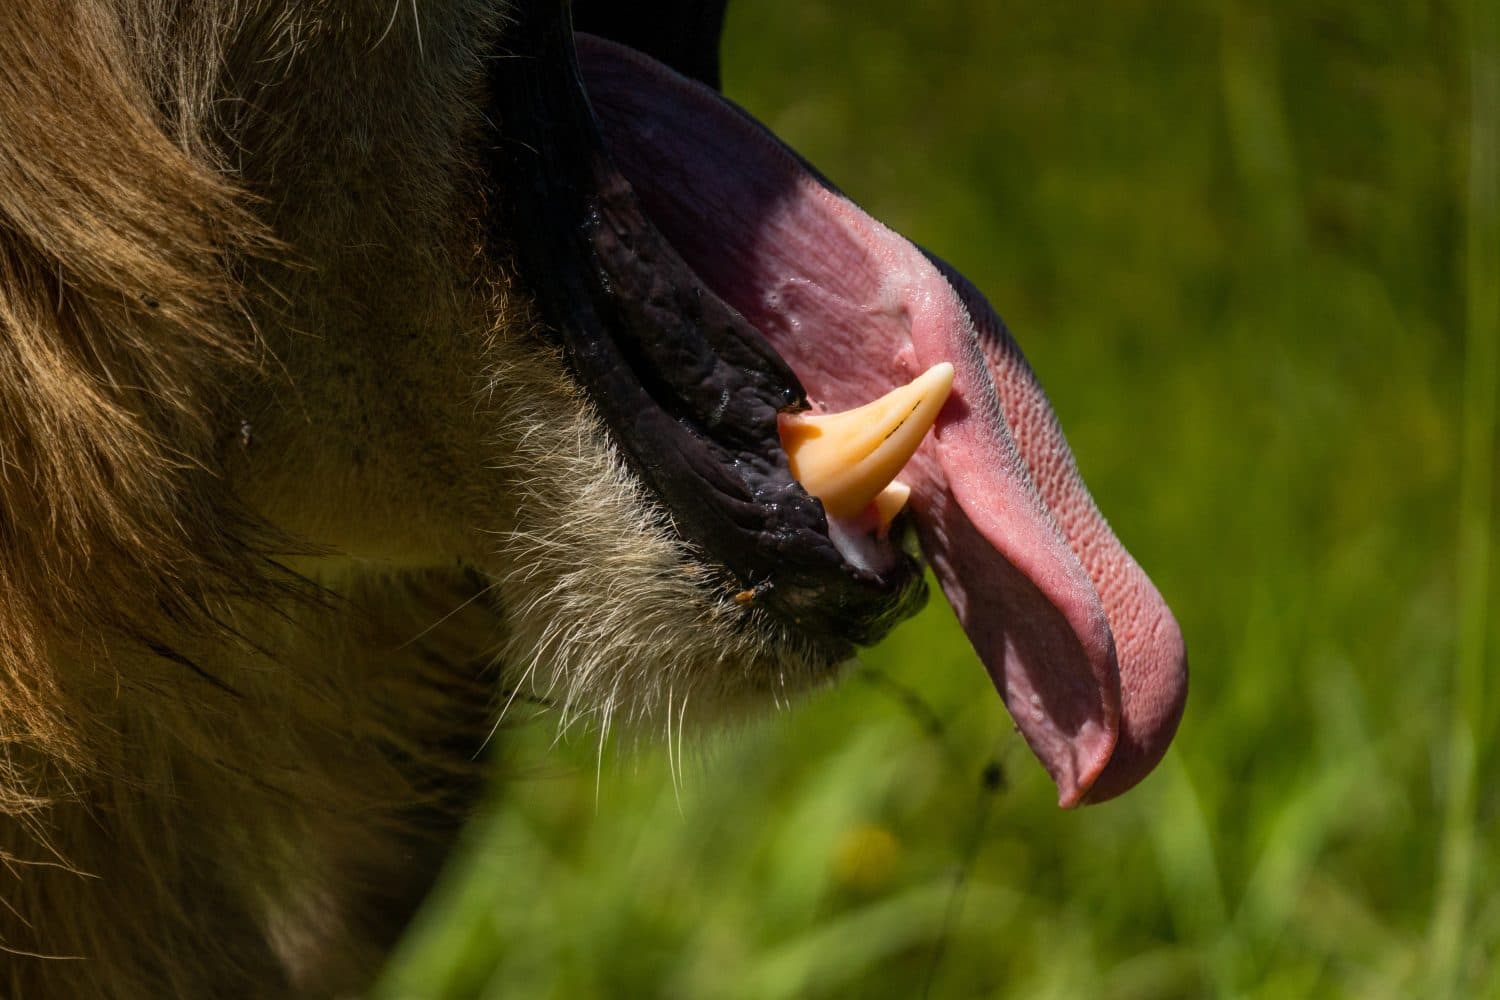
(848, 460)
(889, 502)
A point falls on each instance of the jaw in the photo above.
(704, 283)
(606, 613)
(603, 611)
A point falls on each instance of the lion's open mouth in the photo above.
(706, 281)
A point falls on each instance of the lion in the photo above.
(367, 366)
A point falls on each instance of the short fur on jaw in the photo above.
(605, 613)
(292, 499)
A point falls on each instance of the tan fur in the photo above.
(293, 500)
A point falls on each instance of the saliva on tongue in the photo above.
(1076, 639)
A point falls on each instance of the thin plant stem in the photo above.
(1468, 715)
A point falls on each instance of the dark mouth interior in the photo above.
(689, 388)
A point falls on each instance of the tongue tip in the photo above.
(1150, 716)
(1071, 795)
(1138, 755)
(1126, 764)
(1075, 783)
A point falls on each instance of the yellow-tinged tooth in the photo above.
(848, 459)
(889, 503)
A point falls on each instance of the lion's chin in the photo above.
(591, 603)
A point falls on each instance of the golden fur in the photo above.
(292, 498)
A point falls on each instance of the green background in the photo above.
(1253, 254)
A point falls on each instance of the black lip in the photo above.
(689, 389)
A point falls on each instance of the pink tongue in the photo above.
(1076, 639)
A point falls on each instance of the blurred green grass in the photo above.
(1248, 250)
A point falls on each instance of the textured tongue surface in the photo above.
(1068, 626)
